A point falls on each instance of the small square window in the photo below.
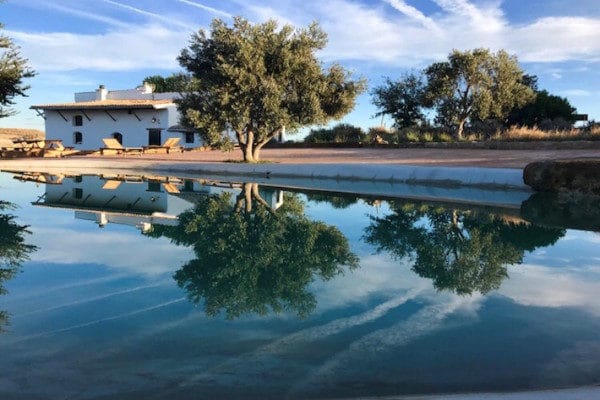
(77, 120)
(189, 137)
(78, 193)
(154, 186)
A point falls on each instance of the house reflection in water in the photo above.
(134, 200)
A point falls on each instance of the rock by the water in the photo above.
(574, 175)
(566, 210)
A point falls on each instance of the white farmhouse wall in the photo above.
(91, 194)
(133, 125)
(101, 125)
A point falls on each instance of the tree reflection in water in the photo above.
(13, 251)
(463, 251)
(251, 258)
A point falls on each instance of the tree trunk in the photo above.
(248, 148)
(259, 145)
(461, 128)
(247, 195)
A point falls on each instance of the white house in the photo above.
(135, 117)
(135, 200)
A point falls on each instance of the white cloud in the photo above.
(128, 253)
(557, 39)
(119, 50)
(576, 92)
(541, 286)
(357, 31)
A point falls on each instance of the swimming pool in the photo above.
(128, 286)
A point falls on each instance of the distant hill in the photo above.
(15, 133)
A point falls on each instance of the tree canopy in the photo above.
(401, 99)
(173, 83)
(251, 258)
(460, 250)
(13, 250)
(257, 80)
(475, 83)
(545, 108)
(13, 69)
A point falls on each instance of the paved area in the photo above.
(430, 157)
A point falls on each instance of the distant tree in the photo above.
(340, 202)
(461, 251)
(13, 69)
(173, 83)
(401, 99)
(251, 258)
(475, 83)
(258, 79)
(545, 107)
(531, 81)
(341, 133)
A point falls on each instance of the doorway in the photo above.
(154, 137)
(118, 136)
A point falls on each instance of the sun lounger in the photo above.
(111, 185)
(55, 148)
(170, 188)
(170, 145)
(112, 146)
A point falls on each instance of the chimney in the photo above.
(101, 93)
(148, 88)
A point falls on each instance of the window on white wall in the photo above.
(77, 138)
(77, 120)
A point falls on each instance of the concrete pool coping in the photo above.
(446, 176)
(583, 393)
(490, 186)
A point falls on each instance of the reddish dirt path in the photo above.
(454, 157)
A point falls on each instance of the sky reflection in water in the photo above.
(344, 297)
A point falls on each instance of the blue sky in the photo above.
(75, 45)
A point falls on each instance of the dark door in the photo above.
(154, 137)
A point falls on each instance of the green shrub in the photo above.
(444, 137)
(412, 136)
(427, 137)
(341, 133)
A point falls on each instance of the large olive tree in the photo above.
(257, 80)
(13, 69)
(252, 258)
(463, 251)
(475, 84)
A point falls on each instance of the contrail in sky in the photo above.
(159, 17)
(206, 8)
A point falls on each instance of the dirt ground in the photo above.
(431, 157)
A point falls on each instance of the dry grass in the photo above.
(16, 133)
(520, 133)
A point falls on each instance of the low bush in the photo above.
(341, 133)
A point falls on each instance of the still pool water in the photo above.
(128, 287)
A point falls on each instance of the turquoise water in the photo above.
(120, 287)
